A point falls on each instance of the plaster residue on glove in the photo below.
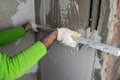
(65, 36)
(90, 35)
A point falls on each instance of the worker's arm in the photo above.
(9, 35)
(14, 67)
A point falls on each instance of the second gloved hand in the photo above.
(65, 36)
(34, 26)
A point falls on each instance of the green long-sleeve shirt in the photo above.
(12, 68)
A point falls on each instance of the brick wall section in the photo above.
(118, 9)
(112, 64)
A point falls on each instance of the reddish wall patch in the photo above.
(118, 9)
(116, 33)
(112, 63)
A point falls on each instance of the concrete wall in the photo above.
(62, 62)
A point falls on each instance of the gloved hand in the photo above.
(34, 26)
(65, 36)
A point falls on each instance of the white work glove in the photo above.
(65, 36)
(34, 26)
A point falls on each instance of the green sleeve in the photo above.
(12, 68)
(7, 36)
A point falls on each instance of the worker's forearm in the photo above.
(14, 67)
(27, 27)
(48, 40)
(7, 36)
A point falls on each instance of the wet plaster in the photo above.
(24, 13)
(7, 10)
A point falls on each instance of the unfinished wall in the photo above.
(62, 62)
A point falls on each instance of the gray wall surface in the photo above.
(65, 63)
(62, 62)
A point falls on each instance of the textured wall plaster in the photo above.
(15, 12)
(7, 10)
(25, 12)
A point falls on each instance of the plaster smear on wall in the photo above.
(24, 13)
(8, 8)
